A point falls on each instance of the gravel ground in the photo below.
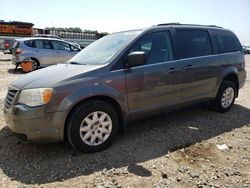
(178, 149)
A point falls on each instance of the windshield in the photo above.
(103, 50)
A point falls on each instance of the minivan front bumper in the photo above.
(34, 124)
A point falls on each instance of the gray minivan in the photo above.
(123, 77)
(43, 51)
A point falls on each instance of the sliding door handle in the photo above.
(187, 67)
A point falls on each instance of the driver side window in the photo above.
(73, 48)
(58, 45)
(157, 47)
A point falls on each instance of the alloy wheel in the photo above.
(95, 128)
(227, 97)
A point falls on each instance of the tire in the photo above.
(36, 64)
(223, 103)
(88, 135)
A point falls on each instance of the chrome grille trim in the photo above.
(10, 98)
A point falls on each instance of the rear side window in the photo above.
(193, 43)
(227, 42)
(43, 44)
(29, 43)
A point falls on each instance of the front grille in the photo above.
(9, 98)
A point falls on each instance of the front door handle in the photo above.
(173, 69)
(187, 67)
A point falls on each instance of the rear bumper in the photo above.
(13, 60)
(16, 59)
(34, 125)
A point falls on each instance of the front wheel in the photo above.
(92, 126)
(35, 65)
(225, 97)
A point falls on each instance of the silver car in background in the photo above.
(43, 51)
(56, 37)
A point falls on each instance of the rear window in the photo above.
(16, 45)
(193, 43)
(227, 42)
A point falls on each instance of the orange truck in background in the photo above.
(11, 30)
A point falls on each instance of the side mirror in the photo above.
(137, 58)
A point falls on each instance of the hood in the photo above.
(46, 77)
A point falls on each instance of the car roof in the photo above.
(161, 27)
(175, 25)
(43, 38)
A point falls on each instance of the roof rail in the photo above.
(172, 23)
(176, 23)
(214, 26)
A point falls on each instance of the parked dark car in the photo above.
(123, 77)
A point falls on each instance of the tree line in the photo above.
(74, 29)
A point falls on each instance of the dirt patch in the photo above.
(198, 153)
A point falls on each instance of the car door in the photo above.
(62, 51)
(44, 52)
(156, 84)
(194, 49)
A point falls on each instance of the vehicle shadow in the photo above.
(143, 141)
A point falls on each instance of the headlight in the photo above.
(35, 97)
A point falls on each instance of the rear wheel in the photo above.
(225, 97)
(35, 64)
(92, 126)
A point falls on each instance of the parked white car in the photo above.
(246, 49)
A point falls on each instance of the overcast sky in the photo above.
(116, 15)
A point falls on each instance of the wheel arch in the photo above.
(104, 98)
(229, 73)
(233, 77)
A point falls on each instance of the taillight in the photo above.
(18, 51)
